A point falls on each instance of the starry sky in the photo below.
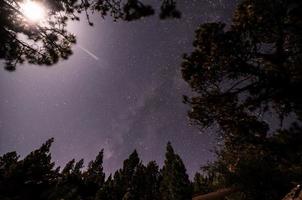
(121, 90)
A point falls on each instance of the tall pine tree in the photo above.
(94, 177)
(152, 177)
(175, 184)
(30, 178)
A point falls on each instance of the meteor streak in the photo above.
(88, 52)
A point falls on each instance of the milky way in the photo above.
(121, 90)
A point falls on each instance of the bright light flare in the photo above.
(33, 10)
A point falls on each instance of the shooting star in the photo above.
(89, 53)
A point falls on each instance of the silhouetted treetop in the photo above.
(240, 72)
(175, 184)
(265, 170)
(168, 10)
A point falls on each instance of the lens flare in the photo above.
(33, 11)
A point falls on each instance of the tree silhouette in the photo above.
(175, 184)
(241, 74)
(69, 185)
(133, 179)
(107, 191)
(135, 9)
(152, 178)
(203, 183)
(30, 178)
(35, 177)
(243, 71)
(266, 169)
(168, 10)
(94, 177)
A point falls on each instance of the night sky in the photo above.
(121, 90)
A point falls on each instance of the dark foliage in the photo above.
(243, 71)
(175, 184)
(35, 177)
(168, 10)
(241, 76)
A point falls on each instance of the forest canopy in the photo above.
(245, 76)
(36, 177)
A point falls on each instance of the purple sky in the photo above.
(127, 97)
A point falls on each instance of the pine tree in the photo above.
(248, 69)
(118, 185)
(30, 178)
(202, 184)
(131, 172)
(175, 184)
(94, 177)
(70, 184)
(152, 177)
(34, 177)
(241, 74)
(8, 163)
(168, 10)
(107, 192)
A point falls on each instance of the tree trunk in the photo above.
(218, 195)
(295, 194)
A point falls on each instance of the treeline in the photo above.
(36, 177)
(264, 170)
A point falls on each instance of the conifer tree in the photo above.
(70, 183)
(94, 177)
(8, 163)
(107, 191)
(241, 74)
(202, 184)
(30, 178)
(152, 177)
(131, 177)
(175, 184)
(118, 185)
